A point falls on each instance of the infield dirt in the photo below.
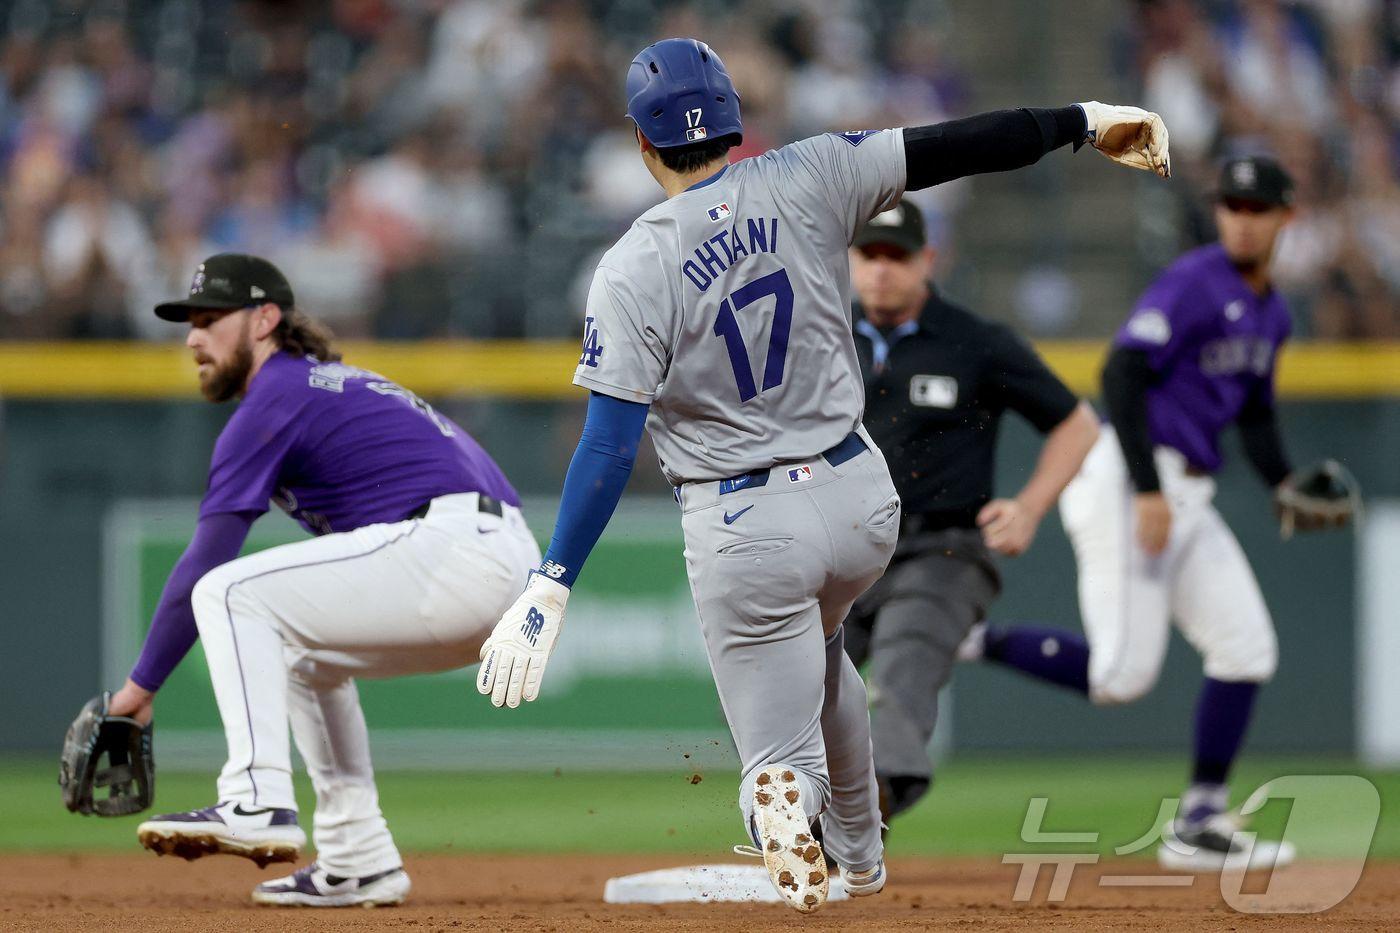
(564, 893)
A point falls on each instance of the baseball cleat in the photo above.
(865, 883)
(313, 886)
(263, 834)
(791, 853)
(1215, 844)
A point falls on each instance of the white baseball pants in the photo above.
(1128, 599)
(287, 630)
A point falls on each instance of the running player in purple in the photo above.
(420, 546)
(1196, 355)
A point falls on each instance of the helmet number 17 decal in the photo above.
(694, 131)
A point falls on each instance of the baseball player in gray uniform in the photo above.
(719, 322)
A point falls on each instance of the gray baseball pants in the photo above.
(774, 570)
(909, 625)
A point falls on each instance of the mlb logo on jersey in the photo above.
(719, 212)
(799, 474)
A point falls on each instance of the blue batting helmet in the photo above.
(678, 93)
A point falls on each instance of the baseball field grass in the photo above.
(977, 807)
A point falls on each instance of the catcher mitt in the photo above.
(131, 766)
(1324, 495)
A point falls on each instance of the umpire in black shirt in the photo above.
(938, 379)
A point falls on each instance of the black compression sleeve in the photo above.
(1262, 442)
(998, 141)
(1126, 378)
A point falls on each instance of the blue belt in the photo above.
(852, 446)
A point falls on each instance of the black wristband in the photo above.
(1061, 126)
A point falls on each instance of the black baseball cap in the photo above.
(1260, 179)
(901, 225)
(228, 281)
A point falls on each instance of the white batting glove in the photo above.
(513, 658)
(1129, 136)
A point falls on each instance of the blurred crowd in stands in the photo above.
(434, 168)
(1316, 82)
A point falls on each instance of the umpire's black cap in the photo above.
(1258, 178)
(901, 226)
(228, 281)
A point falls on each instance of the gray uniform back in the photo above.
(727, 307)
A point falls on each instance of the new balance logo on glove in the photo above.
(533, 624)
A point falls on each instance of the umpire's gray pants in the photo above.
(772, 586)
(909, 626)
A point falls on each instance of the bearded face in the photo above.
(222, 381)
(223, 349)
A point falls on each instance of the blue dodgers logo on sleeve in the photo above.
(592, 349)
(1150, 325)
(855, 137)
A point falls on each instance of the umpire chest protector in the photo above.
(935, 390)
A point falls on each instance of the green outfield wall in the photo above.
(96, 502)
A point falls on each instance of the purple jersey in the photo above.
(1213, 342)
(338, 448)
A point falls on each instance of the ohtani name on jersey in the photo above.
(725, 248)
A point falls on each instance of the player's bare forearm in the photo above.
(1060, 459)
(1009, 525)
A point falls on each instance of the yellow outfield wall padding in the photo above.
(543, 369)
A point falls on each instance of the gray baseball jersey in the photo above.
(726, 307)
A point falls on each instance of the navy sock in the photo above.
(1222, 715)
(1051, 654)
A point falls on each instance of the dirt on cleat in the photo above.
(790, 852)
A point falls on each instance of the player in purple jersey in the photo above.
(420, 547)
(1196, 355)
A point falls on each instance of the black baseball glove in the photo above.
(130, 772)
(1323, 495)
